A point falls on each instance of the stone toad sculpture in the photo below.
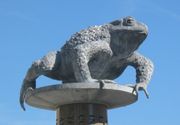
(99, 53)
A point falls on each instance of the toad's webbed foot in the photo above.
(26, 87)
(141, 87)
(104, 81)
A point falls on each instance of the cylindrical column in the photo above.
(82, 114)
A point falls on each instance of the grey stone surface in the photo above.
(94, 54)
(110, 94)
(82, 114)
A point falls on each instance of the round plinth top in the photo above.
(110, 94)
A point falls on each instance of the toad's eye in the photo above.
(128, 21)
(115, 23)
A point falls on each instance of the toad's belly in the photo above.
(102, 68)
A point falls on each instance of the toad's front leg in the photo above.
(80, 66)
(81, 55)
(144, 69)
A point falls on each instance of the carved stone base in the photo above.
(82, 114)
(52, 97)
(81, 103)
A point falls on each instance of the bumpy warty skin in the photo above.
(96, 53)
(94, 33)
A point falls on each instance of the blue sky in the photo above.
(31, 28)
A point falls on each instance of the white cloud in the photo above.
(157, 8)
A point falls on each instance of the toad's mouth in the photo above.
(143, 32)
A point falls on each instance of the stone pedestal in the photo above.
(82, 114)
(81, 103)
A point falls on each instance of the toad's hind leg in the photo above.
(45, 66)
